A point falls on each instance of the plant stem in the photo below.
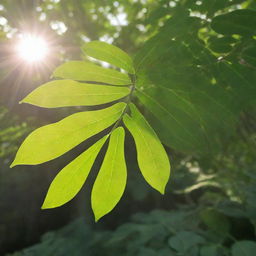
(128, 100)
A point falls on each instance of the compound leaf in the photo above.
(71, 178)
(85, 71)
(152, 158)
(53, 140)
(111, 180)
(63, 93)
(109, 53)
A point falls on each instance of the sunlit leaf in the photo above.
(152, 158)
(62, 93)
(71, 178)
(85, 71)
(109, 53)
(53, 140)
(111, 180)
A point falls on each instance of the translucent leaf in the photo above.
(85, 71)
(241, 22)
(109, 53)
(53, 140)
(62, 93)
(152, 158)
(243, 248)
(111, 180)
(71, 178)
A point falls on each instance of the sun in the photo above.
(32, 48)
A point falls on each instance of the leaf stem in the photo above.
(128, 100)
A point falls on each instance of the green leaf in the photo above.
(216, 221)
(243, 248)
(63, 93)
(171, 107)
(85, 71)
(185, 240)
(210, 250)
(152, 158)
(185, 108)
(241, 22)
(249, 55)
(111, 180)
(71, 178)
(53, 140)
(109, 53)
(221, 45)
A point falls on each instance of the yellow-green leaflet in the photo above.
(152, 158)
(53, 140)
(111, 180)
(64, 93)
(109, 53)
(71, 178)
(85, 71)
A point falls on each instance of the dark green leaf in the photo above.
(216, 221)
(241, 22)
(184, 241)
(210, 250)
(244, 248)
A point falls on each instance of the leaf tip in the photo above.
(162, 191)
(97, 217)
(14, 163)
(43, 207)
(46, 205)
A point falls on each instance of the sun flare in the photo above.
(32, 48)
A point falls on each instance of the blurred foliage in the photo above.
(213, 214)
(11, 133)
(211, 198)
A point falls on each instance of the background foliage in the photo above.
(197, 58)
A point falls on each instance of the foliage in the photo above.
(193, 113)
(195, 85)
(51, 141)
(156, 233)
(10, 134)
(221, 220)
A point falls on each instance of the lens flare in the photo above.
(32, 48)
